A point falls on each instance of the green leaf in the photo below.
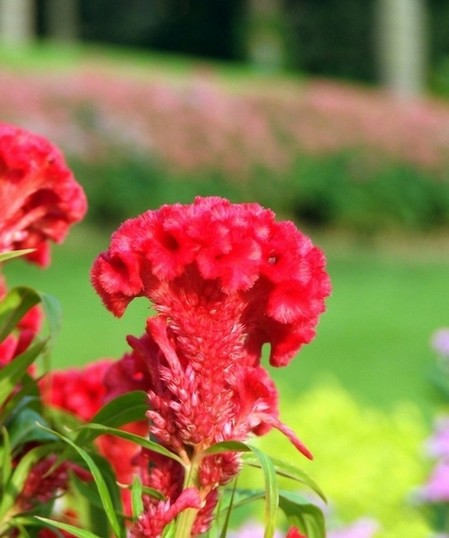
(243, 497)
(141, 441)
(25, 428)
(69, 528)
(26, 394)
(5, 458)
(271, 486)
(224, 529)
(11, 374)
(89, 492)
(14, 306)
(271, 491)
(136, 496)
(106, 499)
(130, 407)
(4, 256)
(170, 530)
(21, 472)
(227, 446)
(301, 513)
(53, 313)
(153, 493)
(287, 470)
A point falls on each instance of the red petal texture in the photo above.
(153, 521)
(230, 252)
(39, 197)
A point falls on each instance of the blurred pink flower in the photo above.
(362, 528)
(437, 445)
(440, 342)
(437, 487)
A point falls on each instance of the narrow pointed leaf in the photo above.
(136, 497)
(4, 256)
(25, 428)
(53, 314)
(25, 394)
(21, 472)
(271, 491)
(287, 470)
(106, 499)
(271, 486)
(304, 515)
(130, 407)
(243, 497)
(5, 459)
(224, 529)
(100, 429)
(11, 374)
(227, 446)
(81, 533)
(14, 306)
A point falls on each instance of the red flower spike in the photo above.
(39, 197)
(224, 279)
(153, 521)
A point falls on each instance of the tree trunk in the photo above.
(17, 22)
(401, 44)
(266, 38)
(62, 20)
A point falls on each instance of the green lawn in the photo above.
(374, 337)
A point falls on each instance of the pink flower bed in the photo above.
(200, 124)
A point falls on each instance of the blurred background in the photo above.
(333, 113)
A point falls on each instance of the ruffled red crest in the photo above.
(39, 197)
(269, 267)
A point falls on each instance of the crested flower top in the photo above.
(224, 280)
(39, 197)
(227, 277)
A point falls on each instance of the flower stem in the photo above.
(186, 518)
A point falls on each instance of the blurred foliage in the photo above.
(196, 27)
(342, 190)
(334, 38)
(345, 437)
(328, 37)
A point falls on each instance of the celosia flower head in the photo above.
(228, 276)
(39, 197)
(224, 279)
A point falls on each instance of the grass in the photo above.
(374, 338)
(46, 56)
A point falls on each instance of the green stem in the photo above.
(186, 518)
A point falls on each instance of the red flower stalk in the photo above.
(39, 197)
(224, 279)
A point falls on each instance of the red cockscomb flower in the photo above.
(215, 265)
(224, 279)
(39, 197)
